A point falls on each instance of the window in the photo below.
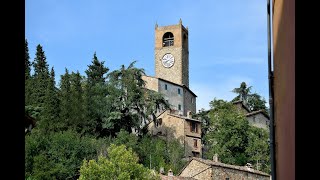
(227, 178)
(195, 154)
(195, 143)
(158, 122)
(179, 91)
(192, 100)
(179, 107)
(168, 39)
(193, 127)
(165, 87)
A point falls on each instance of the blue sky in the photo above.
(227, 39)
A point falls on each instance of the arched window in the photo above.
(167, 39)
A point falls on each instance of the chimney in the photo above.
(215, 158)
(161, 170)
(170, 173)
(189, 114)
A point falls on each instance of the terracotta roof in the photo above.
(219, 164)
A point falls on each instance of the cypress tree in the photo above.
(41, 77)
(65, 97)
(95, 94)
(76, 101)
(28, 79)
(51, 105)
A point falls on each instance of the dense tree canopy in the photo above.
(230, 136)
(83, 110)
(120, 163)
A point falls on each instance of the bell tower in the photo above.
(172, 53)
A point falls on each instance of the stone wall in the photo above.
(220, 171)
(189, 102)
(190, 133)
(259, 120)
(152, 83)
(189, 146)
(179, 72)
(171, 127)
(171, 94)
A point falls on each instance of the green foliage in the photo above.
(233, 139)
(27, 64)
(228, 133)
(253, 101)
(57, 155)
(51, 108)
(40, 78)
(243, 91)
(77, 117)
(28, 79)
(127, 139)
(256, 102)
(95, 96)
(129, 103)
(121, 163)
(258, 149)
(155, 152)
(65, 99)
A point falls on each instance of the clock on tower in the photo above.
(172, 53)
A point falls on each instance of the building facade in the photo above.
(183, 128)
(255, 118)
(204, 169)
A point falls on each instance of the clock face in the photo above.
(167, 60)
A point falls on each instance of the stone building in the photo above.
(184, 128)
(198, 168)
(256, 118)
(172, 81)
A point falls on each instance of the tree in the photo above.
(243, 91)
(132, 105)
(65, 99)
(51, 108)
(58, 155)
(227, 135)
(258, 149)
(155, 153)
(253, 101)
(121, 163)
(28, 80)
(27, 64)
(256, 102)
(77, 116)
(41, 77)
(95, 96)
